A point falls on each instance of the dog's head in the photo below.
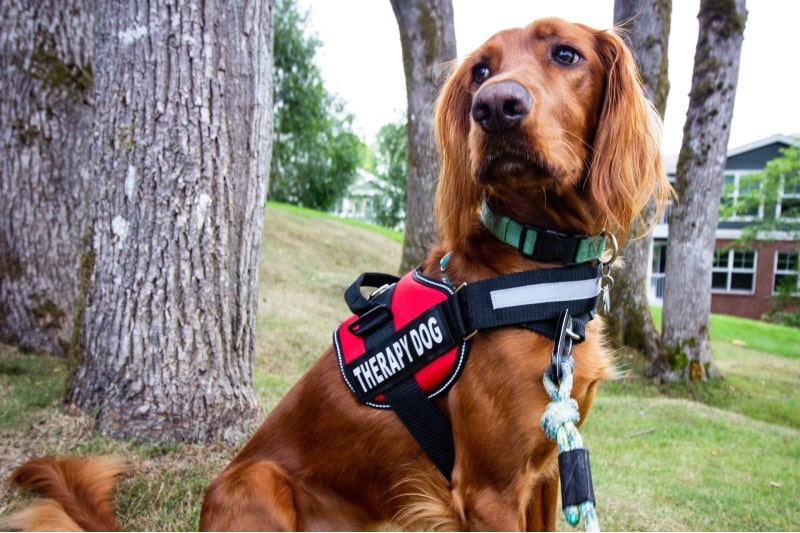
(552, 115)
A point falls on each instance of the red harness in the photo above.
(419, 344)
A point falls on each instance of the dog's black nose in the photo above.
(500, 106)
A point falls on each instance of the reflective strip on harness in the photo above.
(419, 344)
(543, 293)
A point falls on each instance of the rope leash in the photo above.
(561, 414)
(558, 423)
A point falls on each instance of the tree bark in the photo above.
(169, 276)
(686, 351)
(45, 137)
(428, 39)
(630, 322)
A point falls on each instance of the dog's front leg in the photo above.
(253, 496)
(542, 508)
(491, 509)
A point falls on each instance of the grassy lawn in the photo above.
(758, 336)
(720, 456)
(665, 464)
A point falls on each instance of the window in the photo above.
(789, 200)
(786, 271)
(666, 216)
(659, 267)
(735, 187)
(734, 271)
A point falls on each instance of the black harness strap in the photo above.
(426, 423)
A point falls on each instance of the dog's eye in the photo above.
(480, 73)
(565, 55)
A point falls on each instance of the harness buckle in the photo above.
(380, 290)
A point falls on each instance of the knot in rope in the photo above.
(557, 415)
(561, 414)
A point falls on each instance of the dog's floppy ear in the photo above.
(458, 193)
(626, 169)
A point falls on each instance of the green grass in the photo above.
(759, 336)
(719, 456)
(662, 464)
(27, 382)
(152, 500)
(308, 260)
(394, 235)
(759, 385)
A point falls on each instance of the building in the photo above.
(744, 280)
(365, 196)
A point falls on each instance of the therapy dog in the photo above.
(548, 147)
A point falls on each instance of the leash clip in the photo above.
(606, 280)
(562, 346)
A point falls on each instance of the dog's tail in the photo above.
(77, 494)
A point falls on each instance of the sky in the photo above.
(361, 60)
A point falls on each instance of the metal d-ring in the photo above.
(614, 249)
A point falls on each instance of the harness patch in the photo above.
(411, 338)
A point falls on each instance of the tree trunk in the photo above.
(686, 351)
(647, 26)
(45, 137)
(428, 39)
(169, 275)
(630, 322)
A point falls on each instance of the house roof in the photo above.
(671, 160)
(777, 138)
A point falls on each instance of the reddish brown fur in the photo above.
(79, 492)
(586, 158)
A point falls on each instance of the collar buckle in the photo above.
(549, 246)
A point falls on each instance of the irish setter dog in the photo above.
(547, 124)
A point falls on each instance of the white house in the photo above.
(364, 195)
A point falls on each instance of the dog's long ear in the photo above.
(458, 193)
(627, 169)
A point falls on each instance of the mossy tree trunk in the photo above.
(630, 322)
(45, 137)
(686, 351)
(428, 39)
(182, 144)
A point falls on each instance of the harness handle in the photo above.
(355, 299)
